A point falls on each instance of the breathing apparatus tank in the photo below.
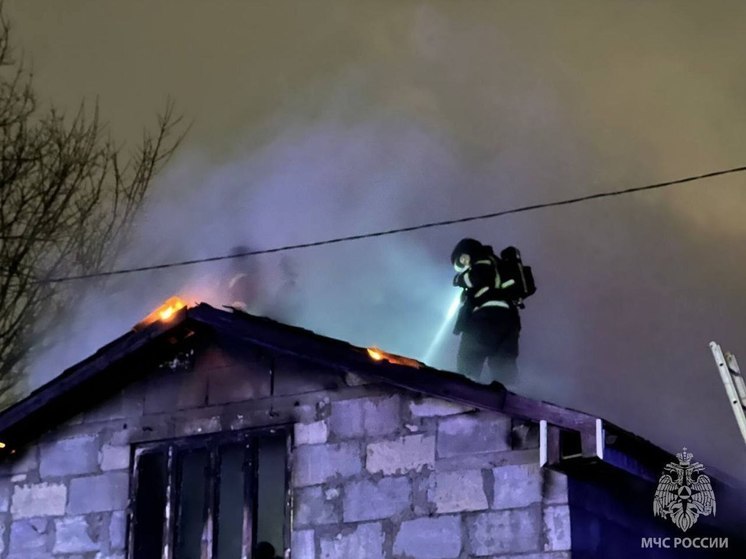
(511, 267)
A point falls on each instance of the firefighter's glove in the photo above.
(459, 281)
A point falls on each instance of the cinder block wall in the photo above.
(392, 476)
(65, 497)
(377, 473)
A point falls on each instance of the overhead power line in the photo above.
(492, 215)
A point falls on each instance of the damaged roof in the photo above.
(595, 442)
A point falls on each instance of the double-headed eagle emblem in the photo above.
(684, 493)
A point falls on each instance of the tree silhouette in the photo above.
(68, 196)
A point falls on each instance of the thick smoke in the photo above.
(322, 181)
(420, 112)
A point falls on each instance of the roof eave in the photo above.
(29, 416)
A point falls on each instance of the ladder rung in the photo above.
(733, 383)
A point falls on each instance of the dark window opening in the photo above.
(213, 497)
(150, 502)
(233, 488)
(570, 444)
(192, 474)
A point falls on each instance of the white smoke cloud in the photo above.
(329, 179)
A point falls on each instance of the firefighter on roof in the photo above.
(488, 319)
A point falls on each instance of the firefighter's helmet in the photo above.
(471, 247)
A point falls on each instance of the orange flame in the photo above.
(164, 313)
(375, 354)
(380, 355)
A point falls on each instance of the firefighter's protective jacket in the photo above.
(483, 288)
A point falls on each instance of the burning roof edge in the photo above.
(600, 442)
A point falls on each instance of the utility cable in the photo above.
(492, 215)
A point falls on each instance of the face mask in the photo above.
(462, 263)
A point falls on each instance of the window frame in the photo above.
(174, 449)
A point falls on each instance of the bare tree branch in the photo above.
(68, 197)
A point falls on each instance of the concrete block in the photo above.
(76, 534)
(509, 531)
(117, 530)
(114, 457)
(315, 464)
(302, 544)
(458, 491)
(365, 417)
(30, 535)
(435, 407)
(517, 486)
(106, 492)
(555, 487)
(313, 507)
(371, 500)
(311, 433)
(366, 540)
(405, 454)
(429, 538)
(41, 499)
(66, 457)
(557, 528)
(473, 434)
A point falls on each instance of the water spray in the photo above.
(450, 313)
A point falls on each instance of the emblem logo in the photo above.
(684, 492)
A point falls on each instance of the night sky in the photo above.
(313, 120)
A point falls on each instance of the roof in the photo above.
(600, 443)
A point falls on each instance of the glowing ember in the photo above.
(164, 313)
